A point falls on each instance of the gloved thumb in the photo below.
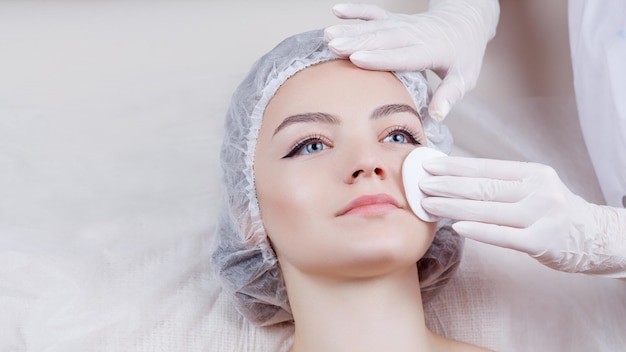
(501, 236)
(448, 93)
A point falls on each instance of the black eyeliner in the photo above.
(298, 147)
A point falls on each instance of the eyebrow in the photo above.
(381, 111)
(307, 117)
(390, 109)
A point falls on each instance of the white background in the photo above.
(110, 124)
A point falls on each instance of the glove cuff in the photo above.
(609, 252)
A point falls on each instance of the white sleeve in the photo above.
(598, 47)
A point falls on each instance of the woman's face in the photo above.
(328, 172)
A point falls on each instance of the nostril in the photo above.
(356, 173)
(378, 171)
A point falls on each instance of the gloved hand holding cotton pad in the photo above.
(412, 173)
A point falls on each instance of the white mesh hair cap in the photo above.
(242, 255)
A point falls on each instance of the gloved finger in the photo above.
(476, 167)
(505, 214)
(501, 236)
(356, 30)
(390, 60)
(474, 188)
(383, 39)
(448, 93)
(360, 12)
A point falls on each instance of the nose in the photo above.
(367, 172)
(366, 166)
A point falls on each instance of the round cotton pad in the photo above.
(412, 173)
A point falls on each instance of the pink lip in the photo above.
(372, 205)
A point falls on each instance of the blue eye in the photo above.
(311, 145)
(396, 138)
(400, 135)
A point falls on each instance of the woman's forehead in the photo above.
(337, 86)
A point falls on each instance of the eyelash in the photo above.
(304, 142)
(410, 133)
(406, 130)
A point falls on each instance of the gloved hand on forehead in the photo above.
(526, 207)
(450, 39)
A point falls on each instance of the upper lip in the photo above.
(381, 198)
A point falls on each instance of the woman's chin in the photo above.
(373, 259)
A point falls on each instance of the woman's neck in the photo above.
(374, 314)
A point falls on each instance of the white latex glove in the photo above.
(450, 39)
(526, 207)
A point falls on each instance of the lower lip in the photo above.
(372, 209)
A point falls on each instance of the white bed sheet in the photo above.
(110, 124)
